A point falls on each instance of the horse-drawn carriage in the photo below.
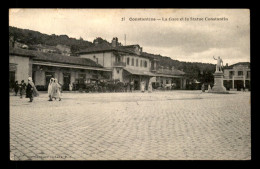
(100, 85)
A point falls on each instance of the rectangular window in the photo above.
(240, 73)
(133, 61)
(136, 62)
(141, 63)
(145, 63)
(128, 61)
(248, 74)
(231, 74)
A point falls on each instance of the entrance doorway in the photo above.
(11, 79)
(66, 81)
(136, 85)
(238, 84)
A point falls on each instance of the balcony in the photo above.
(119, 64)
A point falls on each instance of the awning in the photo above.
(164, 75)
(139, 72)
(69, 66)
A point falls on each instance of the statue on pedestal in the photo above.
(218, 78)
(219, 64)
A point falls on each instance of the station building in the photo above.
(130, 63)
(116, 62)
(43, 66)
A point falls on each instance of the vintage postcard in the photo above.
(129, 84)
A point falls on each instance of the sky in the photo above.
(181, 34)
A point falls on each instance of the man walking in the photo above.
(22, 87)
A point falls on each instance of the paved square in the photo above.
(174, 125)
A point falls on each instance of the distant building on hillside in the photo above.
(15, 44)
(45, 48)
(65, 50)
(237, 76)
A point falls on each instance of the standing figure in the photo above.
(142, 86)
(31, 90)
(209, 88)
(150, 87)
(57, 89)
(203, 87)
(22, 87)
(50, 89)
(16, 87)
(70, 87)
(219, 64)
(131, 85)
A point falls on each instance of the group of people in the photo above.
(29, 89)
(54, 90)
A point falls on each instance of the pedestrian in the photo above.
(203, 87)
(57, 90)
(22, 87)
(16, 87)
(31, 90)
(150, 87)
(50, 89)
(131, 85)
(244, 88)
(142, 86)
(70, 87)
(209, 88)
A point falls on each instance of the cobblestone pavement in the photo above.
(174, 125)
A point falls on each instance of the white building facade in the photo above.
(237, 76)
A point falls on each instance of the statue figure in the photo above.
(219, 62)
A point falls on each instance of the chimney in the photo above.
(226, 64)
(114, 42)
(141, 49)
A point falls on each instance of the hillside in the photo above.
(30, 37)
(199, 71)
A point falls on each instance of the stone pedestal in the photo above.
(218, 83)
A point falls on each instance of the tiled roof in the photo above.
(149, 55)
(124, 49)
(103, 48)
(51, 57)
(239, 63)
(139, 72)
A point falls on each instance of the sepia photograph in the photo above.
(129, 84)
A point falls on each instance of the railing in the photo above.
(119, 64)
